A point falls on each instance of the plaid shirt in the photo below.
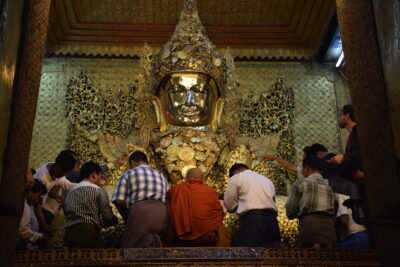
(140, 183)
(308, 195)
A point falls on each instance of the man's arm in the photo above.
(121, 191)
(284, 163)
(40, 217)
(25, 232)
(64, 183)
(293, 203)
(231, 196)
(107, 166)
(105, 209)
(122, 208)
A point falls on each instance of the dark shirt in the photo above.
(332, 170)
(352, 157)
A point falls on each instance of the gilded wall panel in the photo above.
(51, 127)
(315, 115)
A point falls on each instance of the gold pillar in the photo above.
(24, 99)
(368, 93)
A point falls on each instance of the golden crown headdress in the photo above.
(189, 50)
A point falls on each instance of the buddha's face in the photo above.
(188, 99)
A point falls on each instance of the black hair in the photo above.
(236, 167)
(348, 109)
(69, 151)
(314, 163)
(66, 160)
(38, 187)
(88, 168)
(138, 156)
(313, 149)
(33, 171)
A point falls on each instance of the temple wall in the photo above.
(387, 17)
(10, 28)
(315, 90)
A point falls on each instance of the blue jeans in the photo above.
(359, 240)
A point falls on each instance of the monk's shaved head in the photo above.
(194, 173)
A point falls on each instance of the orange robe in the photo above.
(194, 209)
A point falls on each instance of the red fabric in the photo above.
(194, 209)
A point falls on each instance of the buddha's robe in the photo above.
(195, 213)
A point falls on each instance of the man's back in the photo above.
(140, 183)
(252, 190)
(195, 209)
(81, 205)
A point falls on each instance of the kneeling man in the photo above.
(312, 201)
(87, 207)
(140, 196)
(252, 195)
(195, 212)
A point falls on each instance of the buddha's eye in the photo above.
(176, 88)
(199, 89)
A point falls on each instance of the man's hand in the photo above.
(121, 160)
(55, 192)
(60, 199)
(359, 174)
(268, 157)
(338, 159)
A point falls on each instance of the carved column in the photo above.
(368, 92)
(26, 87)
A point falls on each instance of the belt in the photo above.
(269, 210)
(320, 213)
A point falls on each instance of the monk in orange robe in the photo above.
(196, 214)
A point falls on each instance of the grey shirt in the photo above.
(88, 203)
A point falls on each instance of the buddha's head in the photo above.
(188, 76)
(189, 99)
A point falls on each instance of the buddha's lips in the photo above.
(188, 111)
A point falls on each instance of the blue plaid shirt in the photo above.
(140, 183)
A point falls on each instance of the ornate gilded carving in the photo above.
(197, 257)
(268, 113)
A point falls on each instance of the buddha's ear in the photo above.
(161, 121)
(216, 118)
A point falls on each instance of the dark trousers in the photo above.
(83, 235)
(315, 228)
(258, 228)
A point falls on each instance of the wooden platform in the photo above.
(197, 257)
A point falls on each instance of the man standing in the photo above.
(252, 195)
(347, 120)
(195, 212)
(351, 159)
(140, 196)
(87, 207)
(312, 201)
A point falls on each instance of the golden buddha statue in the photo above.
(188, 76)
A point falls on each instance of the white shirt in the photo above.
(352, 227)
(49, 203)
(300, 172)
(28, 226)
(249, 190)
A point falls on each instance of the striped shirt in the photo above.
(88, 203)
(309, 195)
(141, 183)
